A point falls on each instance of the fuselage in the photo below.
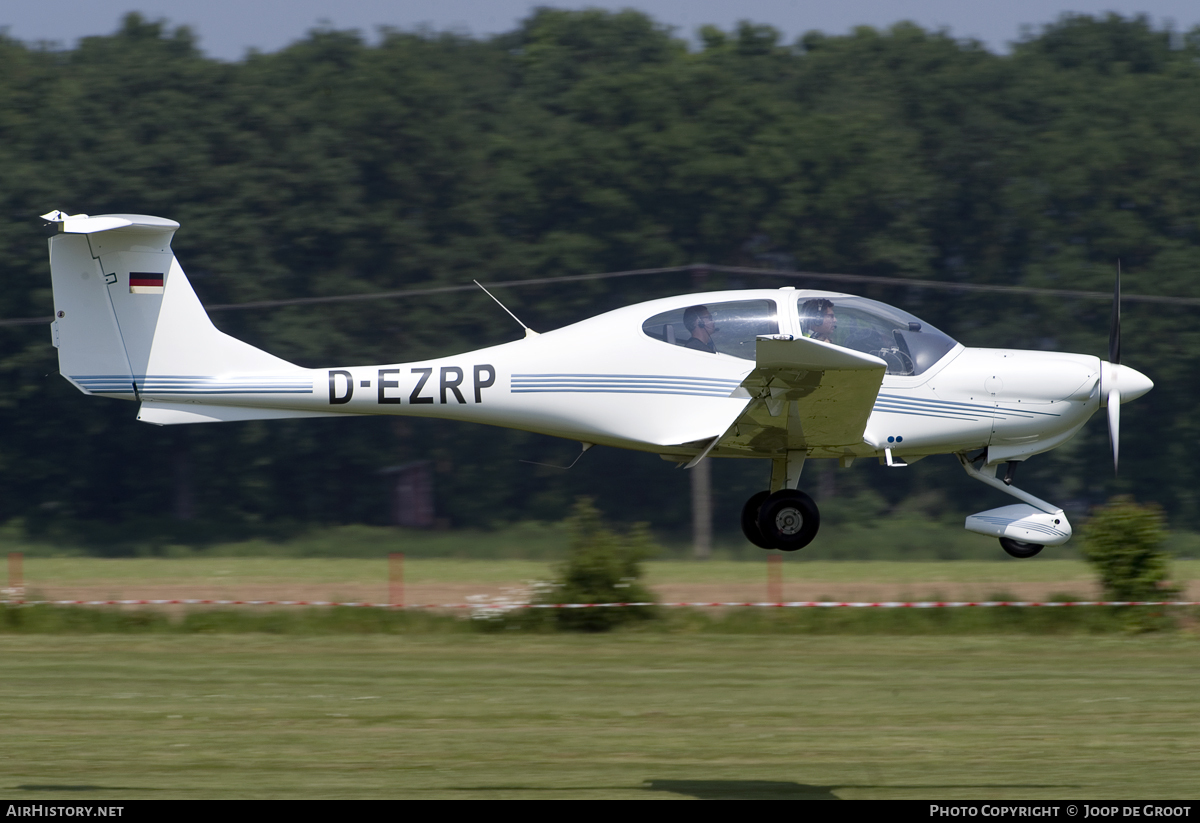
(639, 378)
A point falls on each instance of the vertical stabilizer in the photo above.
(125, 312)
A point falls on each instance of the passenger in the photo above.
(818, 320)
(699, 323)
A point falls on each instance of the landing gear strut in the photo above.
(1015, 524)
(783, 518)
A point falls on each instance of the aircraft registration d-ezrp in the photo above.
(776, 374)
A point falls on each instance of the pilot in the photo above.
(698, 321)
(817, 319)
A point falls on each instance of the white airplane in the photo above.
(777, 374)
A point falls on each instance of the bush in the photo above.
(1124, 540)
(602, 567)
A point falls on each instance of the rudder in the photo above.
(125, 311)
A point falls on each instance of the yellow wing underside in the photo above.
(804, 395)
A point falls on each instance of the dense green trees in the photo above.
(581, 142)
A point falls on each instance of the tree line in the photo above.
(584, 142)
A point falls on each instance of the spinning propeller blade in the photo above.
(1114, 423)
(1114, 329)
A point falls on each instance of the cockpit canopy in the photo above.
(736, 325)
(908, 345)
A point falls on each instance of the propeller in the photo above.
(1118, 384)
(1114, 359)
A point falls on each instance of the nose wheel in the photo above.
(786, 520)
(1017, 548)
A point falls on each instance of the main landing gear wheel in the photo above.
(750, 520)
(788, 520)
(1018, 549)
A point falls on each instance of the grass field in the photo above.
(844, 537)
(448, 580)
(619, 716)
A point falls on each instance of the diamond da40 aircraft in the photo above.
(776, 374)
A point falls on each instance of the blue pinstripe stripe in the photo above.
(622, 384)
(192, 384)
(622, 391)
(1033, 527)
(923, 407)
(721, 380)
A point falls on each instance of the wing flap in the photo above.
(806, 395)
(785, 352)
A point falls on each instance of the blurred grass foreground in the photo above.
(883, 537)
(582, 561)
(598, 716)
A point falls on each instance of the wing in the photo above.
(804, 395)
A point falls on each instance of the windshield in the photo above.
(727, 328)
(908, 345)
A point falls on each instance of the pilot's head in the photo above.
(695, 314)
(817, 316)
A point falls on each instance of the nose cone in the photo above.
(1132, 383)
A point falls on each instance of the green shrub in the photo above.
(602, 567)
(1124, 541)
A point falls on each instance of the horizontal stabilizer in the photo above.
(84, 224)
(126, 319)
(172, 414)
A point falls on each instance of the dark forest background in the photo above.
(588, 142)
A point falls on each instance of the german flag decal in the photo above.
(145, 282)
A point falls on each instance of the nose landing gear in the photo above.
(1015, 524)
(787, 520)
(1017, 548)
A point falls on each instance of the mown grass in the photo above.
(522, 541)
(845, 537)
(588, 717)
(92, 570)
(60, 620)
(333, 571)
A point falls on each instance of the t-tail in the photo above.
(127, 324)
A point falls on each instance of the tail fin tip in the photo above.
(86, 224)
(124, 309)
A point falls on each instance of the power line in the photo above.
(910, 282)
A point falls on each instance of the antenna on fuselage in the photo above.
(528, 331)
